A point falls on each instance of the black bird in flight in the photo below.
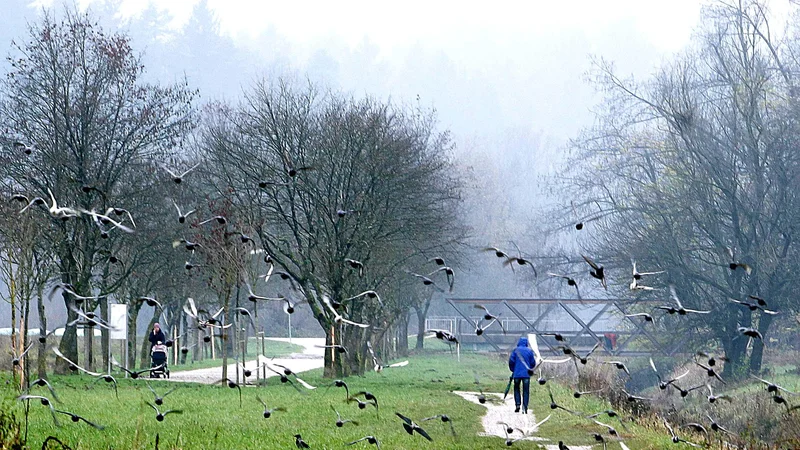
(76, 418)
(370, 439)
(411, 427)
(597, 271)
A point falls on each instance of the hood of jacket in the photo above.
(523, 342)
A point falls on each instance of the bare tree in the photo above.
(26, 269)
(322, 179)
(695, 172)
(75, 96)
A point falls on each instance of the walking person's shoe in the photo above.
(517, 409)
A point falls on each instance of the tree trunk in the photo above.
(757, 356)
(402, 335)
(421, 316)
(88, 341)
(133, 318)
(105, 339)
(330, 363)
(69, 341)
(26, 366)
(41, 364)
(226, 335)
(735, 350)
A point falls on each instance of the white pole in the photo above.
(290, 328)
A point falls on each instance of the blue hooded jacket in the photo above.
(521, 359)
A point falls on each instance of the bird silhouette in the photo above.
(299, 442)
(177, 178)
(159, 399)
(444, 418)
(44, 401)
(597, 271)
(339, 421)
(412, 427)
(76, 418)
(370, 440)
(268, 411)
(161, 415)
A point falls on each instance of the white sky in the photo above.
(516, 64)
(665, 24)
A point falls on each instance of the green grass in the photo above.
(213, 419)
(273, 349)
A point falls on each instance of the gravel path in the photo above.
(310, 358)
(498, 410)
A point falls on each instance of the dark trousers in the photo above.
(526, 392)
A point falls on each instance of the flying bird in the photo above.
(41, 382)
(451, 275)
(570, 281)
(554, 405)
(159, 415)
(339, 421)
(680, 310)
(438, 260)
(151, 301)
(24, 148)
(370, 439)
(340, 383)
(771, 387)
(16, 360)
(753, 306)
(177, 178)
(110, 379)
(412, 427)
(44, 401)
(597, 271)
(647, 317)
(72, 366)
(369, 294)
(713, 398)
(267, 411)
(675, 438)
(221, 220)
(664, 384)
(337, 318)
(181, 215)
(157, 399)
(619, 365)
(355, 265)
(426, 281)
(134, 373)
(76, 418)
(444, 418)
(638, 275)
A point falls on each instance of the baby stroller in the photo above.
(158, 361)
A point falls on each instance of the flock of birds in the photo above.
(703, 361)
(114, 218)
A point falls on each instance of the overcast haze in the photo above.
(509, 81)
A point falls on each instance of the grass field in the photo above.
(212, 417)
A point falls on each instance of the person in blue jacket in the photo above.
(521, 360)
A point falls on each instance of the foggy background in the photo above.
(510, 83)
